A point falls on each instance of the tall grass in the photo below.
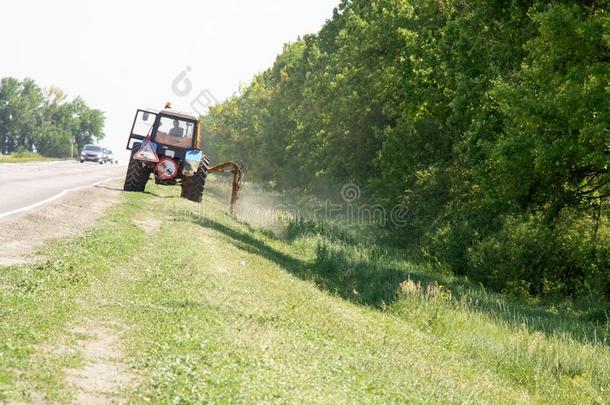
(543, 346)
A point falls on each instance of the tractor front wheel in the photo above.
(192, 187)
(137, 175)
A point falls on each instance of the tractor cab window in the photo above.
(142, 127)
(176, 132)
(143, 123)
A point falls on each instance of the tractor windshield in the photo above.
(176, 132)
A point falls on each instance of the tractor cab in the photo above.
(173, 132)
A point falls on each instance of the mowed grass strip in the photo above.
(236, 314)
(216, 311)
(218, 321)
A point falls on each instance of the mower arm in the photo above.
(237, 175)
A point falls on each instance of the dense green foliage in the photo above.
(489, 120)
(44, 121)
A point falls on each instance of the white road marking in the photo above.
(55, 197)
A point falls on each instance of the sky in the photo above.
(123, 55)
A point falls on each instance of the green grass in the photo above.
(37, 303)
(24, 157)
(217, 311)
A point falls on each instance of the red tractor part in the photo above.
(167, 168)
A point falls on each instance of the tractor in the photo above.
(167, 144)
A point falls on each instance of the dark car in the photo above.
(93, 153)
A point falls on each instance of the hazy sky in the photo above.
(121, 55)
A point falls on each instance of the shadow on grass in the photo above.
(159, 195)
(143, 192)
(109, 188)
(370, 283)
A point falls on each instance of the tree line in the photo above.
(489, 120)
(44, 120)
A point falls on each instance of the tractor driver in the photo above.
(176, 131)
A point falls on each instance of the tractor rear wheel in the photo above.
(137, 175)
(192, 187)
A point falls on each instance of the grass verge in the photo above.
(24, 157)
(218, 311)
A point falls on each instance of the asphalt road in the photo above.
(29, 185)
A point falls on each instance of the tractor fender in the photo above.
(191, 162)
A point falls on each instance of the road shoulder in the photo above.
(23, 234)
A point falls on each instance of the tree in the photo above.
(488, 119)
(31, 119)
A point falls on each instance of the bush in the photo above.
(527, 256)
(26, 155)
